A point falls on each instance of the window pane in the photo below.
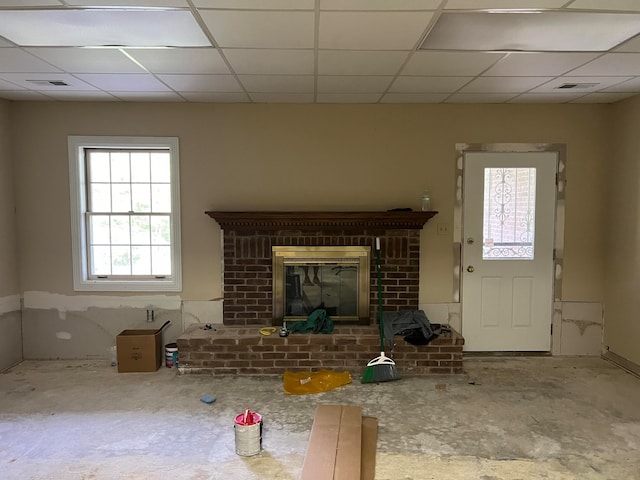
(161, 198)
(120, 261)
(140, 168)
(140, 230)
(120, 167)
(160, 233)
(100, 231)
(100, 261)
(121, 195)
(141, 197)
(100, 197)
(509, 213)
(141, 260)
(160, 167)
(120, 230)
(161, 260)
(99, 167)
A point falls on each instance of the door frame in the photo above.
(558, 243)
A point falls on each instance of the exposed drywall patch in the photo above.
(10, 303)
(63, 335)
(77, 303)
(581, 328)
(207, 311)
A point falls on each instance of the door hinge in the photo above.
(551, 329)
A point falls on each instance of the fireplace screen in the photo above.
(333, 278)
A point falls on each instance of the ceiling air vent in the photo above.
(578, 85)
(56, 83)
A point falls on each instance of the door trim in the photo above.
(561, 150)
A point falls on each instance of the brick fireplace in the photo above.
(248, 241)
(248, 264)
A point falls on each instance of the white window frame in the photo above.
(78, 188)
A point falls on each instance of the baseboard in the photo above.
(622, 362)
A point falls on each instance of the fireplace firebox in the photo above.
(333, 278)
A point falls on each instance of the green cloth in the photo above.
(317, 322)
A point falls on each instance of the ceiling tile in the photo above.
(201, 83)
(414, 97)
(39, 81)
(600, 84)
(633, 45)
(479, 98)
(372, 30)
(521, 32)
(503, 84)
(546, 97)
(348, 97)
(628, 5)
(343, 62)
(245, 29)
(257, 4)
(87, 60)
(128, 3)
(282, 97)
(124, 82)
(353, 84)
(599, 97)
(81, 96)
(502, 4)
(428, 84)
(179, 60)
(149, 96)
(16, 60)
(533, 63)
(32, 3)
(278, 83)
(379, 4)
(265, 61)
(215, 97)
(612, 64)
(101, 27)
(7, 85)
(632, 85)
(450, 63)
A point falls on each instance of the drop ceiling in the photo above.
(320, 51)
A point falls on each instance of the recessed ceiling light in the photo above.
(543, 32)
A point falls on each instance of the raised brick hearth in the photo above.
(244, 351)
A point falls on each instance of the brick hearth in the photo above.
(244, 351)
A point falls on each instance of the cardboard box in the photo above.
(139, 350)
(342, 445)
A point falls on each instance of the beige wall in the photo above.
(9, 284)
(622, 299)
(10, 314)
(306, 157)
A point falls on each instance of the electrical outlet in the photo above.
(442, 229)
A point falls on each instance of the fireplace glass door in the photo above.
(333, 278)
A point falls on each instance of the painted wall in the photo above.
(10, 328)
(304, 157)
(622, 302)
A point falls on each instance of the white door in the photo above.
(507, 253)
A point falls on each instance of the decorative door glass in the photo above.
(509, 213)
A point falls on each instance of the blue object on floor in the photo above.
(208, 399)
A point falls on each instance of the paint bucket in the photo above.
(171, 355)
(248, 427)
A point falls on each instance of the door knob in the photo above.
(470, 269)
(470, 240)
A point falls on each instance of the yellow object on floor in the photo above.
(304, 383)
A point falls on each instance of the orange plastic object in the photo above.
(304, 383)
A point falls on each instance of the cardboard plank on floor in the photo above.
(369, 446)
(320, 459)
(349, 444)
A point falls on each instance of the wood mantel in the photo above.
(398, 219)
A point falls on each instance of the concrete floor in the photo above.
(508, 418)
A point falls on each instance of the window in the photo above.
(125, 212)
(509, 213)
